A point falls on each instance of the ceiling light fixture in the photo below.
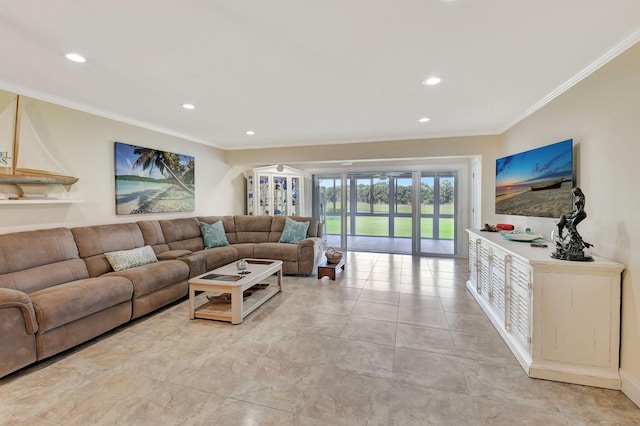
(250, 132)
(431, 81)
(75, 57)
(424, 120)
(188, 106)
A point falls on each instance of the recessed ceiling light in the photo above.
(250, 132)
(346, 163)
(188, 106)
(424, 120)
(75, 57)
(431, 81)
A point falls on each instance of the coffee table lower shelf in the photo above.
(224, 311)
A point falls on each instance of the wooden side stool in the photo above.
(329, 269)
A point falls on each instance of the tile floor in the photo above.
(395, 340)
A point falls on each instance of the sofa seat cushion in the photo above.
(173, 254)
(245, 250)
(206, 260)
(153, 276)
(219, 256)
(65, 303)
(280, 251)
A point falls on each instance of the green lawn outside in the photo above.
(379, 226)
(402, 208)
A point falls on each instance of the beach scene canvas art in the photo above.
(536, 182)
(153, 181)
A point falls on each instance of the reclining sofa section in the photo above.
(58, 290)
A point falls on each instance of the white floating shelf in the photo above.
(45, 201)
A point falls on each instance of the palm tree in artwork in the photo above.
(168, 164)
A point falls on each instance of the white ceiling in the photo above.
(305, 72)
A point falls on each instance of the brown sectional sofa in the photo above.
(58, 290)
(248, 236)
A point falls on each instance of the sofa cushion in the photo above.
(227, 222)
(252, 229)
(65, 303)
(284, 252)
(277, 226)
(182, 234)
(173, 254)
(245, 250)
(250, 223)
(94, 241)
(213, 235)
(293, 231)
(205, 260)
(33, 260)
(153, 276)
(153, 236)
(125, 259)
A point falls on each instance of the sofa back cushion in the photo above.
(153, 236)
(227, 222)
(252, 229)
(94, 241)
(34, 260)
(278, 222)
(182, 234)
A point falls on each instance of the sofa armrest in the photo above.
(309, 255)
(10, 298)
(309, 242)
(197, 263)
(173, 254)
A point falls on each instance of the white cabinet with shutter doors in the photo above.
(277, 190)
(560, 319)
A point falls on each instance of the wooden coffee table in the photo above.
(228, 280)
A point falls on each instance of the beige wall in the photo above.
(84, 145)
(602, 115)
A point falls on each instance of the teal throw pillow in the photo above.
(294, 231)
(213, 235)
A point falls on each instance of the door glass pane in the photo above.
(402, 227)
(372, 225)
(380, 196)
(363, 196)
(330, 199)
(437, 216)
(446, 208)
(402, 194)
(427, 184)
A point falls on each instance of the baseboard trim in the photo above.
(630, 387)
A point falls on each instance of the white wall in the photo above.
(84, 145)
(602, 115)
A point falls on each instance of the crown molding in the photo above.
(590, 69)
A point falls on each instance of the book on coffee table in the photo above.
(222, 277)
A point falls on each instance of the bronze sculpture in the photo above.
(573, 248)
